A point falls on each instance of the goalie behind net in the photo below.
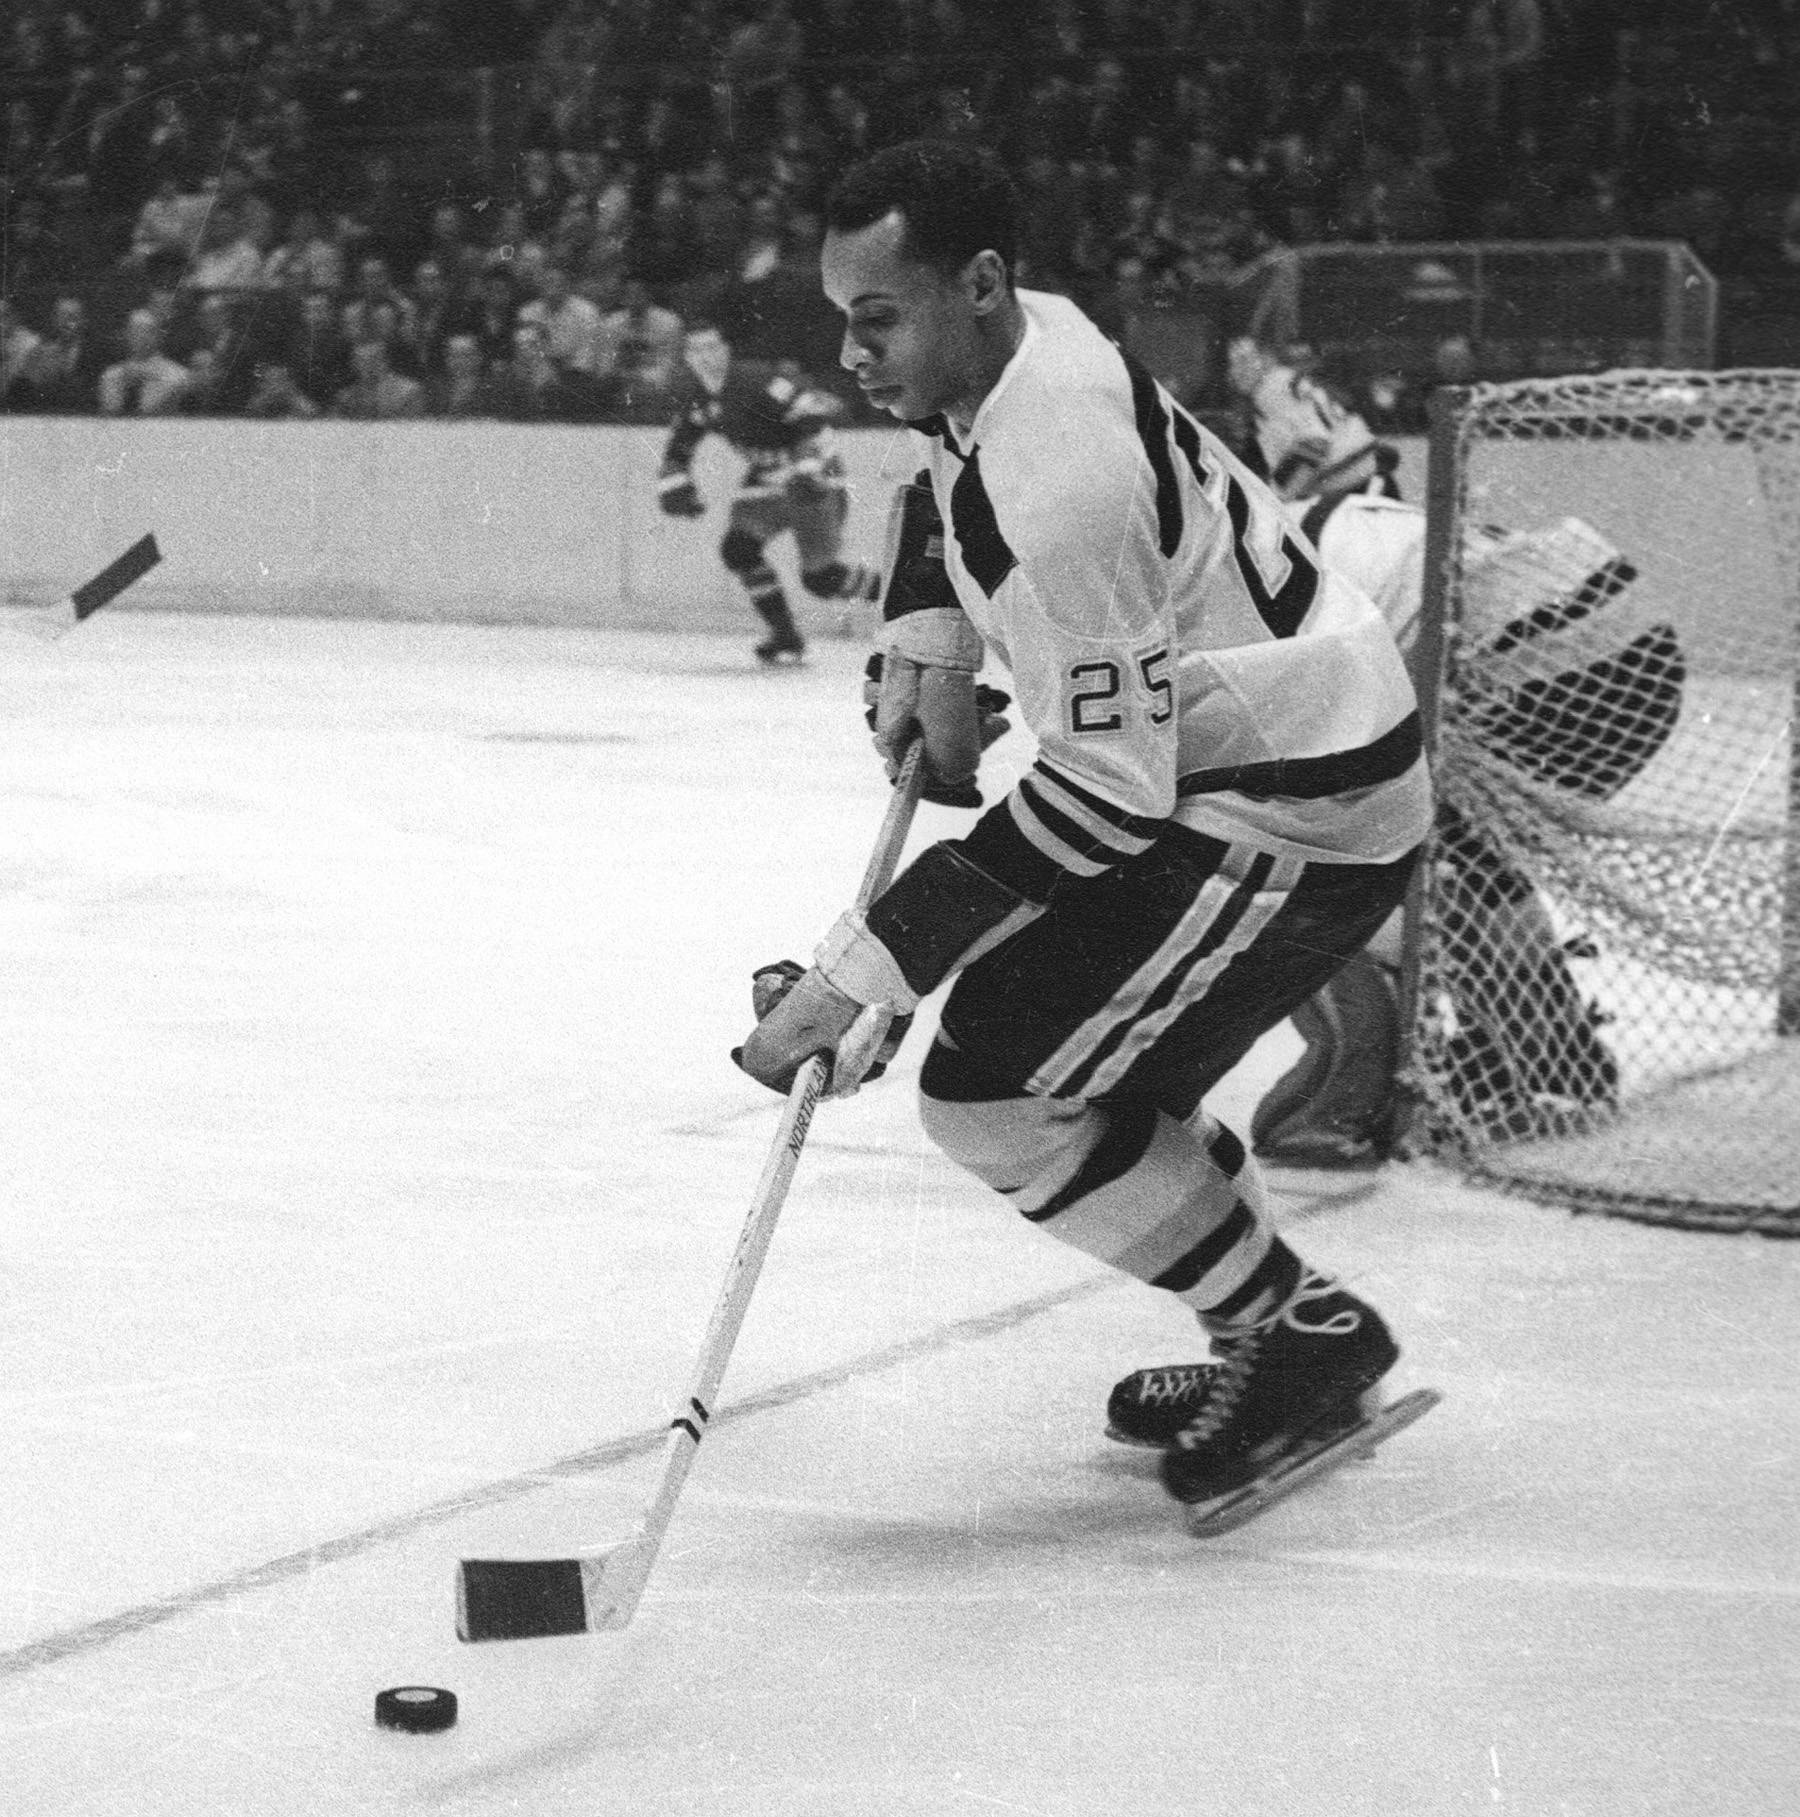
(1606, 971)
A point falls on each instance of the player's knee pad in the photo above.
(1015, 1145)
(1335, 1102)
(740, 551)
(828, 582)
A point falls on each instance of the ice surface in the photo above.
(372, 1162)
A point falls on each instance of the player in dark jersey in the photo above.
(793, 479)
(1228, 797)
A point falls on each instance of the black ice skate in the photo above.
(784, 642)
(1150, 1406)
(1299, 1374)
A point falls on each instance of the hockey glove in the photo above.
(957, 717)
(679, 496)
(773, 982)
(845, 1008)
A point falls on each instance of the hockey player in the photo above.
(793, 479)
(1226, 802)
(1562, 675)
(1310, 443)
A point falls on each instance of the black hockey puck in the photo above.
(419, 1709)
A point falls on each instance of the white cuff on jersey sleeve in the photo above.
(937, 637)
(856, 962)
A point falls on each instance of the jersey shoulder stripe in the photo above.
(1153, 431)
(985, 551)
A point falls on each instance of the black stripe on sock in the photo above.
(1209, 1252)
(1128, 1134)
(1276, 1276)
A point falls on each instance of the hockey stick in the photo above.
(532, 1599)
(65, 614)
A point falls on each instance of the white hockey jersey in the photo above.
(1174, 644)
(1379, 545)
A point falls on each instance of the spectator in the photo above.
(62, 373)
(491, 315)
(146, 382)
(1388, 197)
(171, 145)
(427, 324)
(1289, 188)
(227, 257)
(759, 55)
(541, 190)
(512, 247)
(119, 141)
(277, 396)
(772, 307)
(665, 250)
(460, 389)
(532, 388)
(1502, 45)
(451, 247)
(640, 347)
(19, 342)
(375, 390)
(717, 212)
(386, 222)
(204, 392)
(219, 332)
(375, 292)
(306, 257)
(571, 323)
(171, 220)
(319, 355)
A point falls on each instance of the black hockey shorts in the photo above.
(1152, 980)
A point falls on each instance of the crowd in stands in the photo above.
(510, 208)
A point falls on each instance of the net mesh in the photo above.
(1608, 1003)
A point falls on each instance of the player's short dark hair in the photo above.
(955, 198)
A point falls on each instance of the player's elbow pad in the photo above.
(942, 912)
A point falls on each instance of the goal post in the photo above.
(1601, 985)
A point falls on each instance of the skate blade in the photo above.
(1131, 1439)
(1319, 1456)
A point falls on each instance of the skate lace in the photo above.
(1238, 1354)
(1165, 1387)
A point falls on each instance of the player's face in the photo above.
(708, 358)
(910, 332)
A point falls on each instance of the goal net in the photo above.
(1603, 957)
